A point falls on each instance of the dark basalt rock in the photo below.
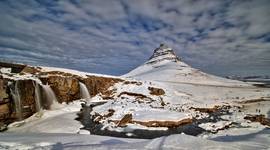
(163, 52)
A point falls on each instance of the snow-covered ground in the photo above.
(246, 140)
(60, 120)
(58, 129)
(214, 104)
(71, 71)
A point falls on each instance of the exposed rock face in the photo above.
(163, 52)
(101, 85)
(31, 95)
(258, 118)
(27, 105)
(206, 110)
(126, 119)
(156, 91)
(66, 86)
(169, 124)
(110, 113)
(18, 95)
(137, 95)
(4, 111)
(4, 97)
(31, 70)
(5, 103)
(66, 89)
(156, 123)
(8, 105)
(252, 101)
(27, 97)
(133, 82)
(15, 68)
(55, 73)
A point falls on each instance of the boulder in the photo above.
(156, 91)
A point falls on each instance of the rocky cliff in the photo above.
(30, 89)
(23, 93)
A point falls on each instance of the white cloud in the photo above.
(119, 33)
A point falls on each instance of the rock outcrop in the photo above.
(15, 68)
(23, 106)
(31, 70)
(26, 90)
(156, 91)
(5, 102)
(162, 53)
(29, 89)
(20, 88)
(156, 123)
(101, 85)
(168, 124)
(126, 119)
(66, 88)
(258, 118)
(4, 97)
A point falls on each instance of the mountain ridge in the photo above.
(164, 65)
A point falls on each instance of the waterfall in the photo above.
(17, 100)
(37, 96)
(50, 96)
(84, 91)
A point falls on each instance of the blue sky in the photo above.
(223, 37)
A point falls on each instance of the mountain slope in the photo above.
(165, 66)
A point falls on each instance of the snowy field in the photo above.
(161, 95)
(248, 140)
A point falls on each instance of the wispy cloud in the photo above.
(221, 37)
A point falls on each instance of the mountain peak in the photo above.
(163, 52)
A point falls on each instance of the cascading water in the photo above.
(84, 91)
(17, 100)
(50, 97)
(37, 96)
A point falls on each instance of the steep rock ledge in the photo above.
(9, 106)
(5, 102)
(25, 92)
(18, 89)
(66, 89)
(101, 85)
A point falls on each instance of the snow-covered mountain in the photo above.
(186, 84)
(164, 65)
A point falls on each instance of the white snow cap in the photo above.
(163, 52)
